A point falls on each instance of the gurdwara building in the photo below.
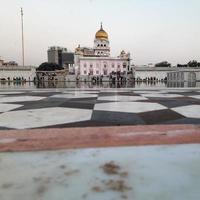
(97, 61)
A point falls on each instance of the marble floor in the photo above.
(140, 173)
(49, 108)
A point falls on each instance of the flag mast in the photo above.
(22, 26)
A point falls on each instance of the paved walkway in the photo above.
(54, 108)
(132, 173)
(78, 154)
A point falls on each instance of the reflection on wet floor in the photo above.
(67, 84)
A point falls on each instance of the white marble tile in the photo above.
(195, 96)
(191, 111)
(177, 90)
(20, 99)
(81, 92)
(121, 98)
(23, 119)
(162, 95)
(7, 107)
(42, 91)
(110, 90)
(75, 96)
(153, 173)
(129, 107)
(149, 92)
(5, 93)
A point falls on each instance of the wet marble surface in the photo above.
(140, 173)
(104, 107)
(20, 99)
(43, 117)
(189, 111)
(121, 98)
(6, 107)
(129, 107)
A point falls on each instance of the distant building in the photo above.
(97, 61)
(10, 63)
(55, 55)
(68, 61)
(1, 62)
(62, 57)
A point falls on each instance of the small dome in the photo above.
(123, 52)
(101, 34)
(78, 50)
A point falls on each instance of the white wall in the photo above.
(147, 74)
(18, 71)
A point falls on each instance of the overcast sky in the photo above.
(151, 30)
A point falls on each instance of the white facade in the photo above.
(101, 47)
(97, 66)
(100, 63)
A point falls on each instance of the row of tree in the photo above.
(192, 63)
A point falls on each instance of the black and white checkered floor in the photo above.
(105, 107)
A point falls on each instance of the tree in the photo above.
(193, 63)
(180, 65)
(49, 67)
(163, 64)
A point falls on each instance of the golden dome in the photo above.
(101, 34)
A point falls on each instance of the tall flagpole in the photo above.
(22, 21)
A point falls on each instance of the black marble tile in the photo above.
(117, 118)
(89, 123)
(39, 104)
(159, 116)
(184, 121)
(81, 105)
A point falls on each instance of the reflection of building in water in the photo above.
(96, 61)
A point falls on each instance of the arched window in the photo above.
(101, 45)
(104, 45)
(98, 45)
(85, 65)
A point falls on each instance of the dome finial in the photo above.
(101, 26)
